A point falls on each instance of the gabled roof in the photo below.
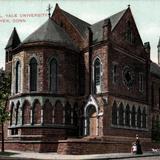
(53, 33)
(97, 28)
(80, 25)
(155, 69)
(14, 40)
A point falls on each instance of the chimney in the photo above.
(158, 47)
(106, 29)
(147, 48)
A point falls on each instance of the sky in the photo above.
(28, 15)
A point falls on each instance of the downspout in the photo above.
(90, 37)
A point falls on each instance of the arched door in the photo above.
(91, 121)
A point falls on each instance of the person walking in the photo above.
(139, 149)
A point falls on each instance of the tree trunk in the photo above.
(2, 128)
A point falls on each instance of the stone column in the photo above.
(85, 126)
(31, 116)
(63, 115)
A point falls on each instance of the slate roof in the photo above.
(51, 32)
(155, 69)
(80, 25)
(14, 40)
(97, 28)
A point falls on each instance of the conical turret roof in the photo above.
(14, 40)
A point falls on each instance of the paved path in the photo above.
(143, 158)
(54, 156)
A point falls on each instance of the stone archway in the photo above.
(91, 121)
(91, 117)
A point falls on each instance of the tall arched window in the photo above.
(47, 112)
(12, 114)
(26, 116)
(33, 74)
(144, 118)
(18, 113)
(139, 118)
(58, 114)
(36, 112)
(133, 117)
(18, 77)
(67, 113)
(121, 116)
(97, 75)
(114, 113)
(53, 75)
(129, 33)
(127, 116)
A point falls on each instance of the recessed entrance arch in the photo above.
(91, 116)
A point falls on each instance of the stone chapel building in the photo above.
(77, 85)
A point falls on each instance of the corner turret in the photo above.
(13, 42)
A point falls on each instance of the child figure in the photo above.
(134, 148)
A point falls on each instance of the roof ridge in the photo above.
(110, 16)
(74, 16)
(49, 19)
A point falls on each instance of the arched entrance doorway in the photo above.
(91, 120)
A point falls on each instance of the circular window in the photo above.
(128, 76)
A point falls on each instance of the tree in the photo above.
(5, 83)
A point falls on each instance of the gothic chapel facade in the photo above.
(76, 83)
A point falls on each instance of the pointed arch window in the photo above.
(121, 114)
(133, 117)
(127, 115)
(139, 118)
(18, 114)
(33, 74)
(36, 112)
(144, 118)
(114, 113)
(58, 114)
(18, 77)
(97, 75)
(67, 113)
(129, 33)
(53, 75)
(12, 114)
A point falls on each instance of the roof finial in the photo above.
(129, 5)
(49, 10)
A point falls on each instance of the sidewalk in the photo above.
(17, 155)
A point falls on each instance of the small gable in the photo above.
(97, 28)
(126, 34)
(74, 26)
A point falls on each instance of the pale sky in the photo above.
(146, 14)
